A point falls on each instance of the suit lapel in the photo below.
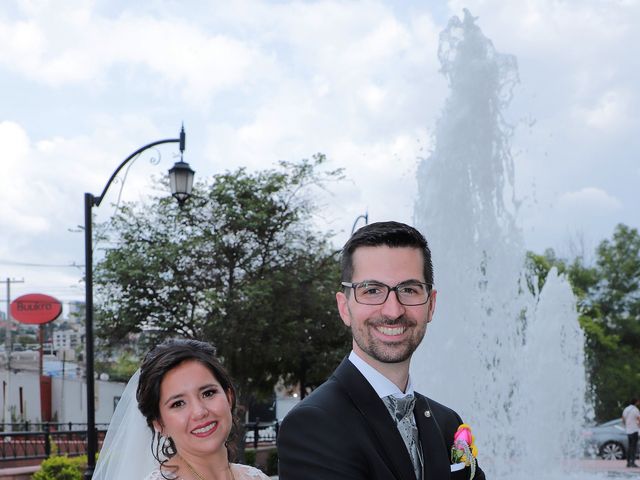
(436, 455)
(376, 415)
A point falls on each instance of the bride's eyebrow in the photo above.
(173, 397)
(210, 385)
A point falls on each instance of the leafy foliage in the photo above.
(608, 302)
(62, 468)
(250, 457)
(121, 369)
(238, 265)
(272, 463)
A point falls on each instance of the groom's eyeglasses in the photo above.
(371, 292)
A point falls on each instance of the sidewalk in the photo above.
(611, 466)
(18, 473)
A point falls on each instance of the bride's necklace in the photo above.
(195, 473)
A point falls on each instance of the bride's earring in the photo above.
(168, 447)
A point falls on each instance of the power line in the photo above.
(51, 265)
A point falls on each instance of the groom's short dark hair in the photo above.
(390, 234)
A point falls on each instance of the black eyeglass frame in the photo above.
(354, 285)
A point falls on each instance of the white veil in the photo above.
(126, 451)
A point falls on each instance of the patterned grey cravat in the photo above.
(401, 410)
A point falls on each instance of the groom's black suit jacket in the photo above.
(344, 431)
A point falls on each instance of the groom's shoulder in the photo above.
(332, 390)
(326, 395)
(321, 407)
(329, 398)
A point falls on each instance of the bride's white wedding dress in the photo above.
(240, 472)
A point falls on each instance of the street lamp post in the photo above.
(181, 181)
(365, 217)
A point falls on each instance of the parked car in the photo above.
(607, 440)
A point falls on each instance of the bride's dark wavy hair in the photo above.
(156, 364)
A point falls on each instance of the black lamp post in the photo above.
(181, 181)
(365, 217)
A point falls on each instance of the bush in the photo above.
(250, 457)
(61, 468)
(272, 463)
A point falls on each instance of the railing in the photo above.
(28, 441)
(260, 433)
(28, 426)
(29, 445)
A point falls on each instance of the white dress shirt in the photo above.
(381, 384)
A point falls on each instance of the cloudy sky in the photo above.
(85, 83)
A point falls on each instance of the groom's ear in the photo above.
(431, 306)
(343, 308)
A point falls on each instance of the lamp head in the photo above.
(181, 181)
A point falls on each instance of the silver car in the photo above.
(607, 440)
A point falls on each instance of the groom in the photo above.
(366, 422)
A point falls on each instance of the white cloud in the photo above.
(610, 111)
(588, 201)
(575, 223)
(347, 80)
(373, 97)
(346, 44)
(15, 144)
(17, 183)
(63, 46)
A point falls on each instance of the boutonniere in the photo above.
(464, 448)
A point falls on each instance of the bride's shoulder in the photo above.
(249, 472)
(156, 475)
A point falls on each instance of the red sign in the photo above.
(35, 308)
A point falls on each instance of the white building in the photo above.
(22, 400)
(66, 339)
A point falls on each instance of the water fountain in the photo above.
(508, 359)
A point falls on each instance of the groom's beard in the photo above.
(389, 351)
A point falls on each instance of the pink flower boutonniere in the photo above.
(464, 448)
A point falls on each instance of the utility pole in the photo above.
(7, 343)
(7, 338)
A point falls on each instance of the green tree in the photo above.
(121, 369)
(26, 339)
(615, 309)
(608, 303)
(309, 319)
(239, 265)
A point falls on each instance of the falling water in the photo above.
(509, 360)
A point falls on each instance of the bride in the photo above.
(187, 429)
